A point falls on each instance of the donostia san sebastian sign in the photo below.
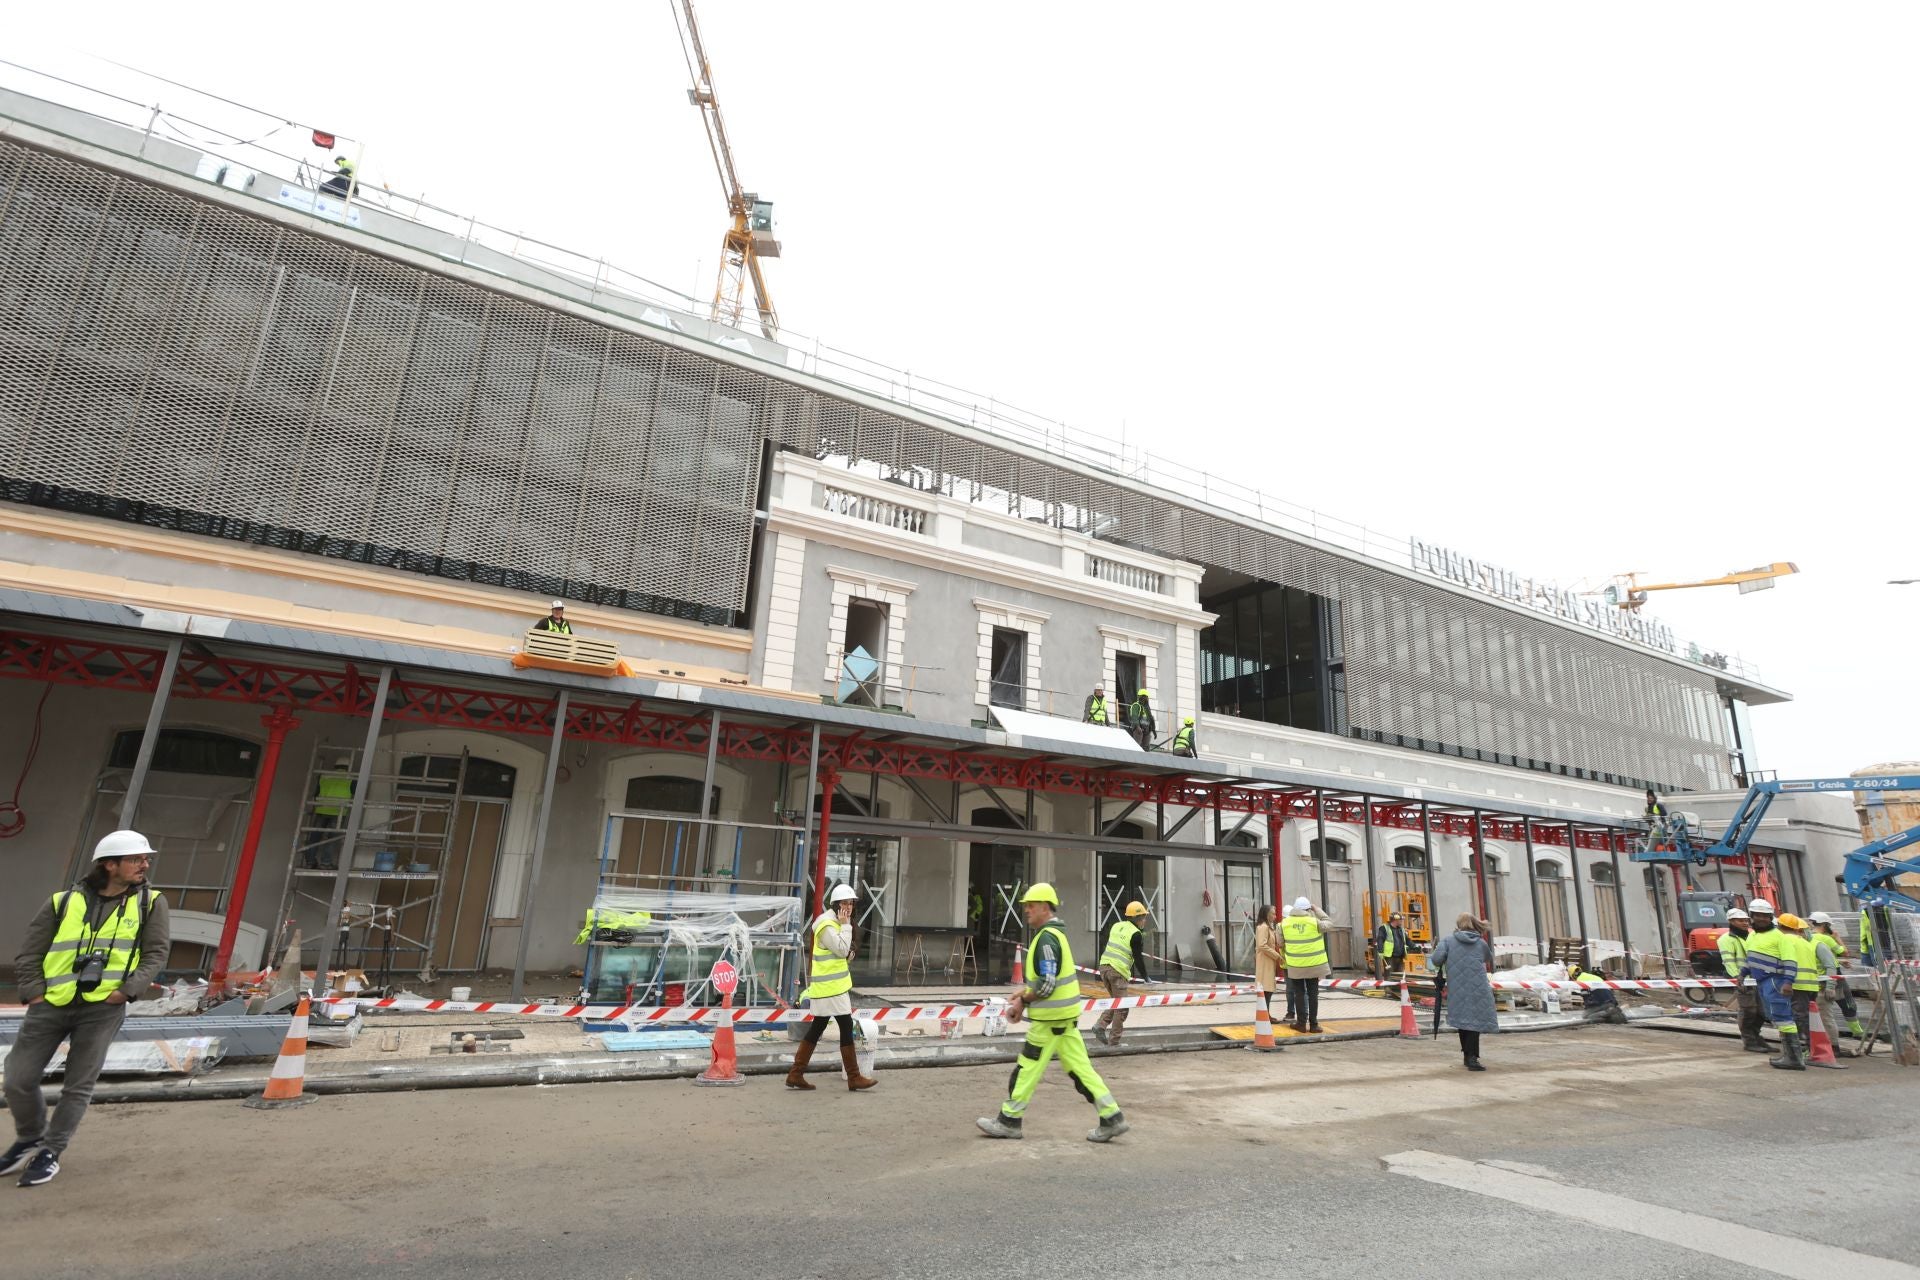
(1504, 584)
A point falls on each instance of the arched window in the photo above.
(1553, 898)
(197, 751)
(1336, 850)
(1496, 904)
(1410, 869)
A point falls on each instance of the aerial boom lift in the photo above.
(1628, 592)
(749, 237)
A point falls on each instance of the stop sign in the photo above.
(724, 978)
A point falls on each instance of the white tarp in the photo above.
(1025, 724)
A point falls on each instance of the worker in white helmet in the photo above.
(1303, 939)
(1772, 961)
(1836, 1002)
(829, 992)
(1733, 958)
(556, 619)
(88, 951)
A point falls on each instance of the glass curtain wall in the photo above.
(1267, 657)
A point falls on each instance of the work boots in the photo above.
(796, 1074)
(1109, 1128)
(1791, 1058)
(1000, 1126)
(850, 1062)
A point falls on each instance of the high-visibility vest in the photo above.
(1733, 954)
(1866, 935)
(118, 936)
(1768, 955)
(1306, 941)
(1388, 942)
(1183, 740)
(333, 786)
(1063, 1005)
(551, 623)
(1119, 952)
(1827, 951)
(1806, 962)
(830, 975)
(1139, 711)
(598, 919)
(1833, 940)
(1096, 710)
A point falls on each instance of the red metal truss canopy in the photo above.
(203, 674)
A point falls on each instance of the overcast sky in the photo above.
(1574, 289)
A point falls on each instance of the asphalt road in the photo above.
(1236, 1163)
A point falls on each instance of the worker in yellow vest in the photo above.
(1051, 998)
(1806, 972)
(1183, 740)
(333, 798)
(1124, 957)
(1774, 964)
(1389, 945)
(1097, 711)
(1303, 940)
(829, 992)
(87, 952)
(1733, 958)
(1842, 998)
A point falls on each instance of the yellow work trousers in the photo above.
(1045, 1039)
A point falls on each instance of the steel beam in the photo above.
(540, 842)
(156, 713)
(350, 839)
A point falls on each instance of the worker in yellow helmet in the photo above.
(1051, 995)
(1124, 957)
(1140, 719)
(1183, 740)
(1806, 973)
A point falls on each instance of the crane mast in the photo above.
(749, 234)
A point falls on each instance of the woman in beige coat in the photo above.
(1267, 957)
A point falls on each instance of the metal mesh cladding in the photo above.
(176, 362)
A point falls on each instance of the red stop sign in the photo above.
(724, 978)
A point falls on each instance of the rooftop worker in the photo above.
(1656, 817)
(1733, 958)
(1052, 994)
(1096, 710)
(342, 182)
(1771, 960)
(556, 619)
(1140, 719)
(1304, 943)
(1600, 1002)
(1183, 740)
(1842, 997)
(1124, 957)
(1389, 945)
(1463, 960)
(88, 951)
(829, 992)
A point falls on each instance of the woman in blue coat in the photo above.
(1463, 960)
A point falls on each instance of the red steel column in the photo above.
(278, 724)
(829, 779)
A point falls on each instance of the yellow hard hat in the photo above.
(1143, 694)
(1042, 892)
(1788, 920)
(1188, 720)
(1136, 908)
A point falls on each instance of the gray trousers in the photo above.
(91, 1028)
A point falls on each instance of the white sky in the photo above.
(1574, 289)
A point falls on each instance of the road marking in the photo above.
(1761, 1250)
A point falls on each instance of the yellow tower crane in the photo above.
(749, 237)
(1628, 592)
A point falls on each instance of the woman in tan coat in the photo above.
(1267, 957)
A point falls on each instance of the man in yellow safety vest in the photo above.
(88, 951)
(1824, 938)
(1733, 958)
(1806, 973)
(1097, 711)
(1774, 964)
(1124, 957)
(1304, 941)
(1051, 997)
(1389, 944)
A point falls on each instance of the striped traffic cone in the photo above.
(1263, 1041)
(1819, 1044)
(289, 1069)
(1019, 965)
(1408, 1030)
(725, 1067)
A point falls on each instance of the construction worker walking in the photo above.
(829, 991)
(1774, 964)
(1304, 941)
(88, 951)
(1733, 958)
(1051, 996)
(1124, 957)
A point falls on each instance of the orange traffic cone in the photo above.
(1408, 1029)
(1019, 964)
(289, 1069)
(725, 1068)
(1263, 1041)
(1819, 1044)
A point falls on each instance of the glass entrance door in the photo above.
(1244, 883)
(1124, 878)
(871, 866)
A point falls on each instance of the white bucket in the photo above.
(462, 993)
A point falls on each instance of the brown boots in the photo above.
(796, 1074)
(851, 1064)
(797, 1077)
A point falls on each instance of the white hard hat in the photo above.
(1301, 904)
(1761, 905)
(1737, 914)
(121, 844)
(842, 893)
(558, 604)
(1820, 917)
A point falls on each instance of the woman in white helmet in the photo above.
(829, 994)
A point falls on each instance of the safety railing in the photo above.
(254, 138)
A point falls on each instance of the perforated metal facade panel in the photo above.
(175, 362)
